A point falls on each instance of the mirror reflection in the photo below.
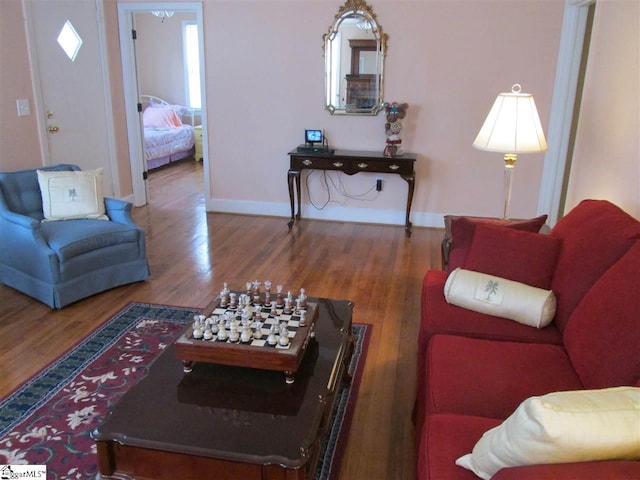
(354, 50)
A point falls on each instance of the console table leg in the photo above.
(411, 180)
(291, 177)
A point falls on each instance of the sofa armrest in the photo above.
(611, 470)
(119, 210)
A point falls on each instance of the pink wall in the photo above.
(447, 58)
(19, 146)
(607, 154)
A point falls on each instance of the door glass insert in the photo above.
(70, 41)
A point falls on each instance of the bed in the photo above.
(166, 138)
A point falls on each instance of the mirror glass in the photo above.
(354, 50)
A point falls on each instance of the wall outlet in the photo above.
(378, 184)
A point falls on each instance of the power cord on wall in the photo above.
(327, 181)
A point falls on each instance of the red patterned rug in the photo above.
(47, 421)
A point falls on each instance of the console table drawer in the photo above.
(351, 166)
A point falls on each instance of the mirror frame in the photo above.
(349, 9)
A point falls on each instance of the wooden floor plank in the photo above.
(192, 253)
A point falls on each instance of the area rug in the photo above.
(48, 420)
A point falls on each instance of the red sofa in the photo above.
(474, 369)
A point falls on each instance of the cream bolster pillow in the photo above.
(500, 297)
(562, 427)
(68, 195)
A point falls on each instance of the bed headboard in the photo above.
(183, 112)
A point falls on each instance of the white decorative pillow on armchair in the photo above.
(500, 297)
(68, 195)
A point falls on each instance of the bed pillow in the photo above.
(160, 117)
(500, 297)
(462, 229)
(68, 195)
(521, 256)
(562, 427)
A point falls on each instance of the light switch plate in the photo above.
(24, 110)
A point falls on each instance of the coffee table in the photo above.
(229, 422)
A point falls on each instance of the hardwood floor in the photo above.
(191, 254)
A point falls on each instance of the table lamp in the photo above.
(512, 127)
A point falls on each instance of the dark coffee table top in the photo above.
(236, 413)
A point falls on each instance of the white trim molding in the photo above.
(561, 118)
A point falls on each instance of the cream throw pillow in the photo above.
(500, 297)
(68, 195)
(562, 427)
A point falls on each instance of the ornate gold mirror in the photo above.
(354, 50)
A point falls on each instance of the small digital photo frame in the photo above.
(313, 136)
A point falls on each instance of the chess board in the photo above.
(256, 353)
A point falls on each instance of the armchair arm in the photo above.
(19, 220)
(24, 246)
(119, 210)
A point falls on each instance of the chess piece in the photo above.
(198, 332)
(224, 302)
(298, 305)
(208, 334)
(272, 339)
(258, 327)
(279, 300)
(267, 292)
(222, 334)
(303, 318)
(233, 301)
(245, 336)
(284, 336)
(214, 325)
(234, 336)
(287, 306)
(303, 298)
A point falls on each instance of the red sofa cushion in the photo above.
(609, 470)
(489, 378)
(462, 229)
(445, 438)
(516, 255)
(595, 234)
(602, 336)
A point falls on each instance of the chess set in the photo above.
(255, 328)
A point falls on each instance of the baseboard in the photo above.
(330, 212)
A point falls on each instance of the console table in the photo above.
(350, 162)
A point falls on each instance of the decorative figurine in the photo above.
(395, 113)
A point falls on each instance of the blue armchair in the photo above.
(60, 262)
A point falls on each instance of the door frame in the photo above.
(565, 109)
(38, 96)
(126, 12)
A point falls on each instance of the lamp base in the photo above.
(510, 160)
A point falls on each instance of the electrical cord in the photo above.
(327, 182)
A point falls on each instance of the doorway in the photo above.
(129, 16)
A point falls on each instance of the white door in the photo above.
(67, 51)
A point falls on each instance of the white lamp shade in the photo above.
(512, 126)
